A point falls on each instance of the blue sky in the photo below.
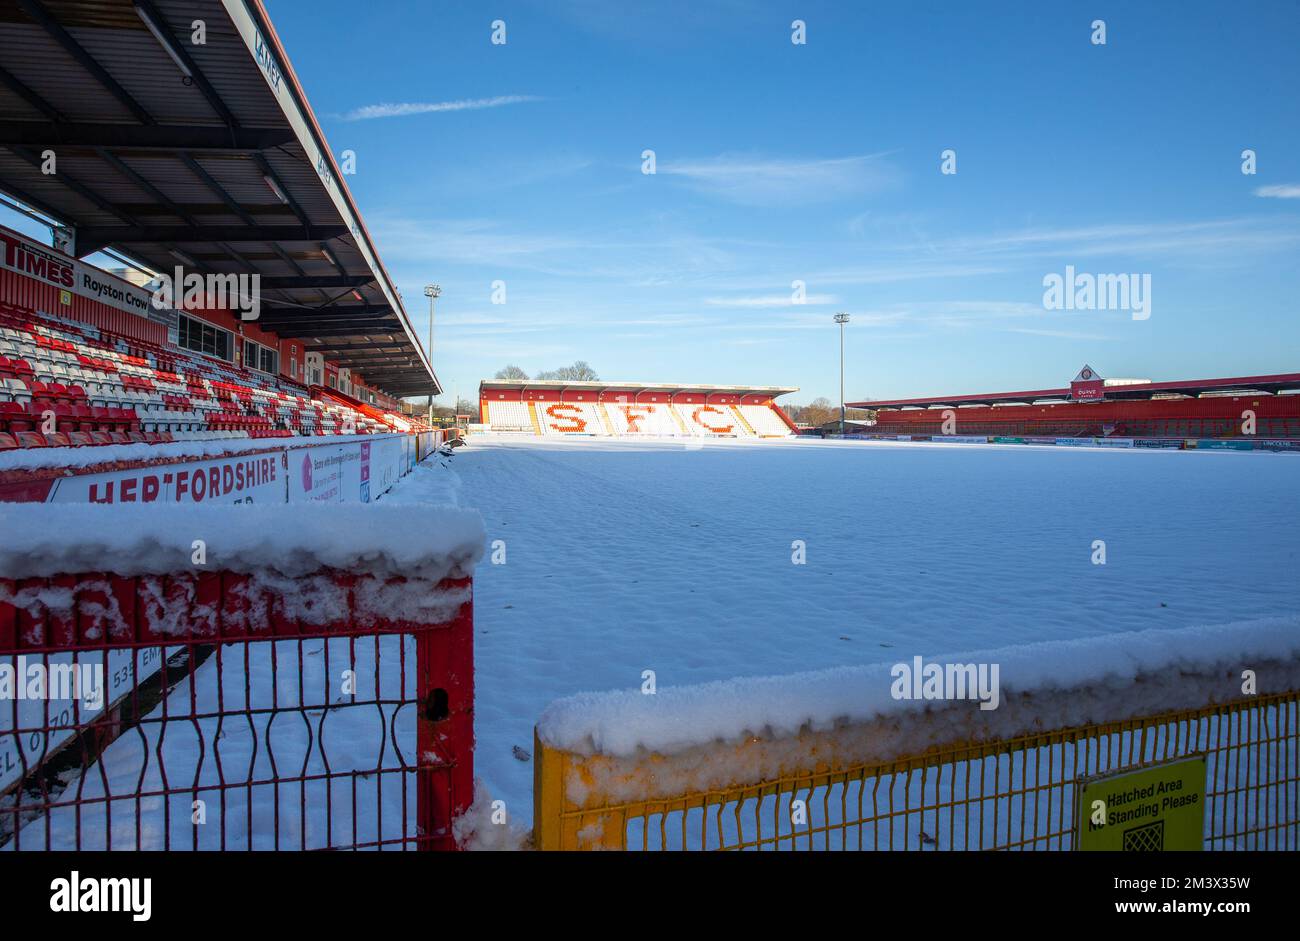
(821, 163)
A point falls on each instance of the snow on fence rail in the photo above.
(722, 765)
(285, 688)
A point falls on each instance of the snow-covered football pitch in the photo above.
(625, 556)
(712, 560)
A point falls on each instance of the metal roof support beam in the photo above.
(136, 137)
(406, 358)
(379, 321)
(9, 80)
(19, 195)
(123, 168)
(60, 35)
(80, 189)
(220, 192)
(112, 235)
(217, 189)
(309, 328)
(400, 370)
(348, 347)
(392, 377)
(269, 172)
(290, 282)
(271, 312)
(386, 332)
(147, 11)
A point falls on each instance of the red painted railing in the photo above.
(331, 711)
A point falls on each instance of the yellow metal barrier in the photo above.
(1017, 793)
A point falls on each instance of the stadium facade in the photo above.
(1241, 409)
(632, 409)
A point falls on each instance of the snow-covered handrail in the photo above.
(607, 750)
(383, 539)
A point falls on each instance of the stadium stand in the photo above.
(201, 159)
(100, 388)
(1246, 407)
(631, 409)
(202, 162)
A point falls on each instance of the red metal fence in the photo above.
(234, 712)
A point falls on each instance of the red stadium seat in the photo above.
(100, 385)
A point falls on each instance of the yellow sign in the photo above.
(1161, 807)
(65, 298)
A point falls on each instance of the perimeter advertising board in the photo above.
(346, 473)
(1169, 443)
(350, 472)
(1224, 444)
(252, 478)
(51, 267)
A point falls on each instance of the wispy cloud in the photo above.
(1213, 238)
(1279, 191)
(624, 253)
(757, 181)
(768, 301)
(369, 112)
(1058, 334)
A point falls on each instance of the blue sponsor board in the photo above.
(962, 439)
(1278, 444)
(1075, 442)
(1039, 440)
(1113, 442)
(1171, 443)
(1224, 444)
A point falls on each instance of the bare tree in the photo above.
(820, 411)
(511, 372)
(578, 372)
